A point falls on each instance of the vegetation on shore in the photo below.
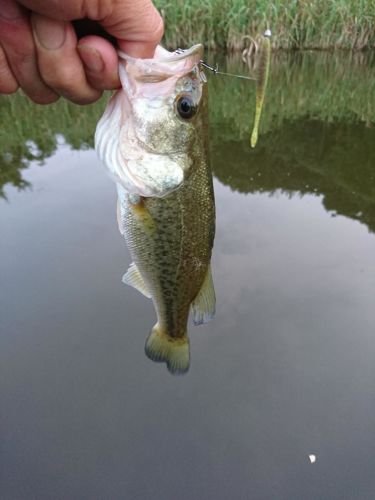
(295, 24)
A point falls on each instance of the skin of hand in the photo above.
(40, 52)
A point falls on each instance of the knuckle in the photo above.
(44, 99)
(8, 86)
(80, 96)
(107, 82)
(87, 99)
(56, 77)
(70, 86)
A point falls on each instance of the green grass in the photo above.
(295, 24)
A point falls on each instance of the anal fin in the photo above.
(133, 278)
(203, 306)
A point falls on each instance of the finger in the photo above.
(18, 45)
(58, 60)
(137, 25)
(8, 84)
(100, 61)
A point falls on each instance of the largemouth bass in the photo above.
(153, 139)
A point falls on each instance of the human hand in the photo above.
(40, 52)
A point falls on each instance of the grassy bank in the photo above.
(296, 24)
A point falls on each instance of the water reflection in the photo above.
(33, 133)
(286, 369)
(317, 131)
(335, 160)
(328, 87)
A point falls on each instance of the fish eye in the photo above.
(185, 107)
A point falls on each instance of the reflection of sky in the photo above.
(291, 246)
(284, 371)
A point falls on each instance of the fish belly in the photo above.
(170, 240)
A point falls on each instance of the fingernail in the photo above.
(51, 34)
(92, 58)
(10, 10)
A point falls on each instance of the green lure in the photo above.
(262, 78)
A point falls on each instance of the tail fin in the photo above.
(173, 351)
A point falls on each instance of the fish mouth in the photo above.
(164, 56)
(162, 66)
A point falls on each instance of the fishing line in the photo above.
(217, 72)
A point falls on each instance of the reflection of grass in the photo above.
(29, 132)
(304, 24)
(335, 160)
(318, 86)
(318, 123)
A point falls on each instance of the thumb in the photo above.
(137, 26)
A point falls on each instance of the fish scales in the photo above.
(153, 138)
(173, 253)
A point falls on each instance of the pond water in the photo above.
(279, 401)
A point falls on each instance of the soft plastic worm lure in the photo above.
(262, 78)
(264, 48)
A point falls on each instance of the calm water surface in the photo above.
(286, 369)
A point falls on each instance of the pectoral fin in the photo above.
(133, 278)
(119, 222)
(203, 306)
